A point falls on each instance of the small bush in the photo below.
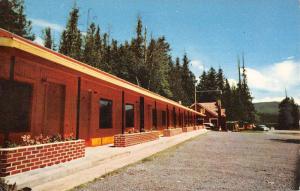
(4, 186)
(27, 140)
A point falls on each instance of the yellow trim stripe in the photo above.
(47, 54)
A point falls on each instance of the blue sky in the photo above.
(211, 32)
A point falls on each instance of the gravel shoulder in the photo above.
(215, 161)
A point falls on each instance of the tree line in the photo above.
(289, 115)
(143, 60)
(235, 98)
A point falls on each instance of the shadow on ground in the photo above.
(297, 175)
(294, 141)
(297, 170)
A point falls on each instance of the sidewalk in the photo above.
(97, 162)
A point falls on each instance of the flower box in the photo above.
(187, 129)
(24, 158)
(172, 132)
(125, 140)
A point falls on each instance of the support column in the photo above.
(78, 107)
(123, 113)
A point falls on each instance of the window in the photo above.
(129, 114)
(105, 114)
(154, 117)
(163, 117)
(15, 106)
(174, 117)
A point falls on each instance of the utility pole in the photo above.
(195, 96)
(196, 91)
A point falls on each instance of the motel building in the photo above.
(44, 92)
(214, 113)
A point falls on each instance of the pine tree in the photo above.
(220, 80)
(98, 48)
(138, 66)
(124, 69)
(295, 114)
(285, 117)
(14, 19)
(227, 100)
(48, 39)
(208, 81)
(71, 42)
(188, 81)
(90, 52)
(175, 81)
(246, 98)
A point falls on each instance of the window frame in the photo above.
(29, 109)
(133, 116)
(154, 117)
(163, 118)
(111, 113)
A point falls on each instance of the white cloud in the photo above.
(44, 23)
(197, 66)
(275, 77)
(232, 82)
(268, 83)
(39, 41)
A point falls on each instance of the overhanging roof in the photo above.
(10, 40)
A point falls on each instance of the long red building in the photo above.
(44, 92)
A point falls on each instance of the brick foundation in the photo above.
(172, 132)
(25, 158)
(125, 140)
(187, 129)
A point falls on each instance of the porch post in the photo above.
(123, 113)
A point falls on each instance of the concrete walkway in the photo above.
(98, 161)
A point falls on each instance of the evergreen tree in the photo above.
(246, 98)
(157, 68)
(90, 51)
(188, 81)
(175, 81)
(138, 66)
(220, 80)
(295, 114)
(285, 116)
(71, 42)
(124, 69)
(227, 100)
(48, 39)
(14, 19)
(106, 56)
(98, 48)
(208, 85)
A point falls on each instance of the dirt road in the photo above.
(215, 161)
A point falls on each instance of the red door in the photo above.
(54, 109)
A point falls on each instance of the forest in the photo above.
(143, 60)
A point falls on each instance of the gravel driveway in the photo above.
(215, 161)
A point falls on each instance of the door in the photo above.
(54, 109)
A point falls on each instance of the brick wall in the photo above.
(187, 129)
(125, 140)
(25, 158)
(172, 132)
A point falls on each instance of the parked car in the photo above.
(209, 125)
(262, 128)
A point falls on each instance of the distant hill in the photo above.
(267, 107)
